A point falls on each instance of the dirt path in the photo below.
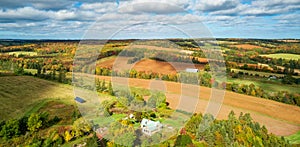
(279, 118)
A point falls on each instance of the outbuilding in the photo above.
(80, 100)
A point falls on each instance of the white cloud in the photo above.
(214, 5)
(26, 13)
(150, 7)
(106, 7)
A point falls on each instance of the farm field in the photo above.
(17, 53)
(146, 65)
(262, 74)
(20, 94)
(268, 85)
(283, 56)
(247, 46)
(271, 114)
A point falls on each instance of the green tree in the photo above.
(183, 141)
(81, 126)
(10, 129)
(34, 122)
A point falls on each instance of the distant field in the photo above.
(19, 94)
(266, 74)
(146, 65)
(23, 53)
(283, 56)
(270, 86)
(261, 74)
(247, 46)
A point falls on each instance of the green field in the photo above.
(283, 56)
(261, 74)
(20, 95)
(295, 138)
(270, 86)
(22, 53)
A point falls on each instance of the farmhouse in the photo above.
(193, 70)
(150, 127)
(80, 100)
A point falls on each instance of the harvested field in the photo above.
(147, 65)
(279, 118)
(247, 46)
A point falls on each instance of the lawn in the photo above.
(283, 56)
(294, 139)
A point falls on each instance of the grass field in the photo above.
(270, 86)
(295, 138)
(23, 53)
(19, 94)
(283, 56)
(266, 74)
(262, 74)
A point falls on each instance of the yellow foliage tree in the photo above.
(68, 136)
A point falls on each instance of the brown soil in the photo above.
(148, 65)
(247, 46)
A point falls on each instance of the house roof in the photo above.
(149, 124)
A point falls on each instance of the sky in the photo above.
(123, 19)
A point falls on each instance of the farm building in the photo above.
(193, 70)
(80, 100)
(150, 127)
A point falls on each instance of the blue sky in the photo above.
(104, 19)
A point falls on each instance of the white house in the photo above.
(193, 70)
(150, 127)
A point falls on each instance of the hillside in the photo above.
(19, 94)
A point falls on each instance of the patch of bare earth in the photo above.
(148, 65)
(247, 46)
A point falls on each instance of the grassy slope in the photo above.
(295, 138)
(19, 94)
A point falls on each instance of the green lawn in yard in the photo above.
(105, 121)
(283, 56)
(294, 139)
(32, 71)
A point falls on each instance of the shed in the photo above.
(80, 100)
(193, 70)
